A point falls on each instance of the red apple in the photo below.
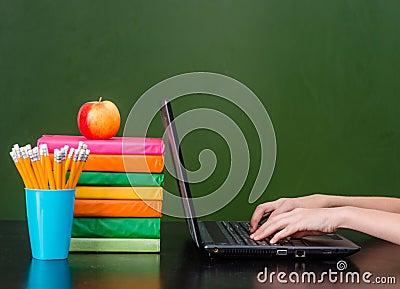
(98, 119)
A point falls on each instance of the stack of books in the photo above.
(118, 198)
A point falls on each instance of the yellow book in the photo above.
(114, 245)
(119, 193)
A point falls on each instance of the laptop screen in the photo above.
(180, 171)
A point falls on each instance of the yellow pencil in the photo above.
(26, 162)
(17, 151)
(41, 152)
(73, 168)
(35, 152)
(55, 168)
(49, 169)
(76, 165)
(82, 164)
(37, 174)
(49, 172)
(17, 154)
(35, 168)
(69, 159)
(41, 169)
(68, 165)
(43, 164)
(62, 165)
(61, 169)
(19, 168)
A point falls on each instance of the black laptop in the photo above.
(231, 238)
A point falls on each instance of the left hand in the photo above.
(298, 223)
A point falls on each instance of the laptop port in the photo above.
(326, 252)
(299, 253)
(281, 252)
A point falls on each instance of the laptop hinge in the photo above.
(204, 235)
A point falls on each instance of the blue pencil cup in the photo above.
(49, 215)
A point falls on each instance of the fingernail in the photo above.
(252, 236)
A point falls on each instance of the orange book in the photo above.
(119, 193)
(127, 163)
(117, 208)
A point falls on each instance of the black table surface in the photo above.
(181, 265)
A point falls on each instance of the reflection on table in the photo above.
(96, 270)
(110, 271)
(49, 275)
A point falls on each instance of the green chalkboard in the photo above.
(327, 72)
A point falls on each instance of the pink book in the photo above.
(113, 146)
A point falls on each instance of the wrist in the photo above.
(325, 201)
(336, 201)
(343, 216)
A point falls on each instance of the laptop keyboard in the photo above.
(239, 233)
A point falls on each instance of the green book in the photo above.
(121, 179)
(114, 245)
(144, 228)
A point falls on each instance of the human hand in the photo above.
(298, 223)
(283, 205)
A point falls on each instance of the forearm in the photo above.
(377, 203)
(376, 223)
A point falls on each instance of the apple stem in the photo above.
(100, 98)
